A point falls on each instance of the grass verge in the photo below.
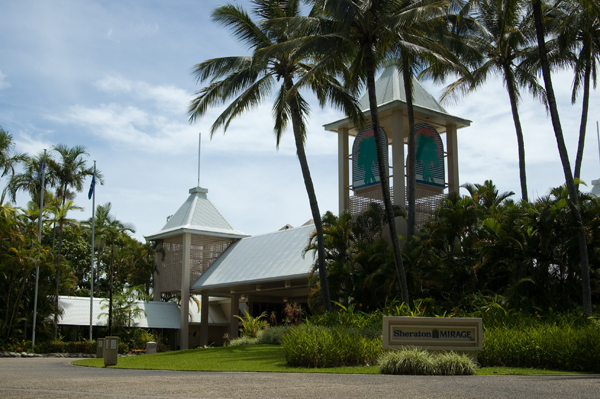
(255, 358)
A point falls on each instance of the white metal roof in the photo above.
(198, 215)
(390, 87)
(262, 258)
(76, 312)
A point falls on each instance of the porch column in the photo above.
(343, 170)
(185, 293)
(452, 143)
(204, 319)
(234, 321)
(398, 172)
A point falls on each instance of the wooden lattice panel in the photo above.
(169, 265)
(205, 250)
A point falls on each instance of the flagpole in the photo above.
(199, 148)
(93, 189)
(37, 269)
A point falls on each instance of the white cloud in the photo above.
(3, 83)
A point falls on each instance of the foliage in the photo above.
(272, 335)
(316, 346)
(252, 325)
(544, 345)
(414, 361)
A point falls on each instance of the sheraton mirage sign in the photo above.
(433, 333)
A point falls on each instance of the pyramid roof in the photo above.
(389, 88)
(200, 216)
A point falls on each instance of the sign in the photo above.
(433, 333)
(365, 168)
(429, 166)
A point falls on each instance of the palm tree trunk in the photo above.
(312, 197)
(564, 157)
(412, 150)
(584, 117)
(512, 94)
(383, 176)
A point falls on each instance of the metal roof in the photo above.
(76, 312)
(197, 215)
(390, 87)
(263, 258)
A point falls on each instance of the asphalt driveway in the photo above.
(57, 378)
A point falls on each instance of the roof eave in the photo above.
(188, 229)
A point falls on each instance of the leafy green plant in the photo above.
(272, 335)
(416, 361)
(316, 346)
(252, 325)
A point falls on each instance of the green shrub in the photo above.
(414, 361)
(244, 340)
(565, 347)
(315, 346)
(272, 335)
(252, 325)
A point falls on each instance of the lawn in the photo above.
(256, 358)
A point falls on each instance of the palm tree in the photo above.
(273, 65)
(60, 218)
(578, 32)
(8, 158)
(564, 157)
(365, 33)
(27, 180)
(71, 171)
(503, 35)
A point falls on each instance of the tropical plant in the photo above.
(8, 157)
(564, 157)
(252, 325)
(503, 34)
(273, 65)
(577, 27)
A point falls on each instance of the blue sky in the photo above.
(115, 77)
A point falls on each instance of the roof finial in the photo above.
(199, 147)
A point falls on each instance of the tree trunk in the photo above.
(383, 176)
(564, 157)
(412, 149)
(312, 197)
(512, 94)
(584, 117)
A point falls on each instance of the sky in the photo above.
(116, 78)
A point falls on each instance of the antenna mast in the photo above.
(199, 148)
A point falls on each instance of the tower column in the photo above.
(204, 319)
(398, 172)
(343, 171)
(185, 292)
(452, 144)
(234, 321)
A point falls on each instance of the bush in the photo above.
(272, 335)
(314, 346)
(252, 325)
(414, 361)
(569, 348)
(242, 341)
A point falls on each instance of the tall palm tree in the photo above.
(365, 33)
(504, 36)
(60, 218)
(248, 80)
(8, 157)
(71, 171)
(27, 180)
(564, 156)
(578, 30)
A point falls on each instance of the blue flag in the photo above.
(92, 186)
(42, 168)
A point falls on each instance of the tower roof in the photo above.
(198, 215)
(389, 88)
